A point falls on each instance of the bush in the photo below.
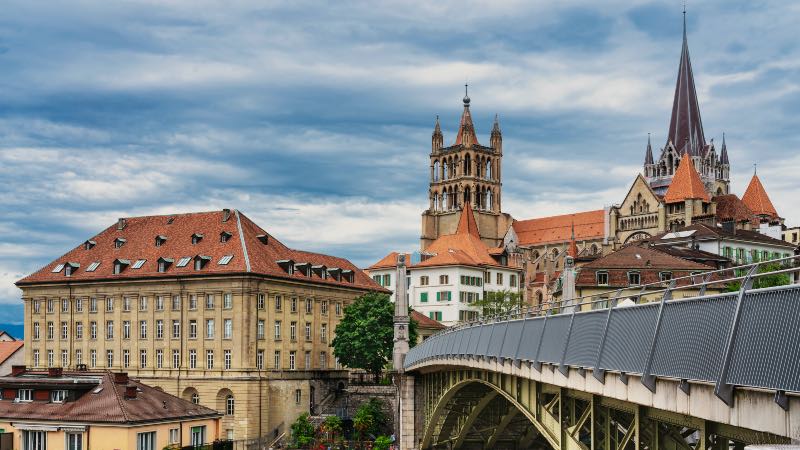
(382, 443)
(369, 419)
(302, 432)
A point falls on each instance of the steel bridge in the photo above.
(709, 372)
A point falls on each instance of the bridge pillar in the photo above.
(408, 413)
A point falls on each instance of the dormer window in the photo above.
(138, 264)
(602, 278)
(69, 268)
(335, 273)
(160, 240)
(304, 268)
(321, 271)
(119, 242)
(348, 275)
(120, 265)
(287, 265)
(224, 236)
(196, 238)
(200, 261)
(58, 396)
(225, 260)
(88, 245)
(263, 238)
(163, 263)
(634, 278)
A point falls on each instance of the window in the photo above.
(93, 266)
(109, 358)
(261, 301)
(443, 296)
(323, 332)
(225, 260)
(293, 305)
(435, 315)
(36, 306)
(160, 240)
(93, 358)
(110, 329)
(64, 358)
(307, 362)
(292, 356)
(142, 358)
(50, 359)
(229, 405)
(293, 331)
(196, 398)
(634, 278)
(260, 360)
(176, 329)
(146, 441)
(665, 276)
(278, 302)
(423, 280)
(174, 435)
(224, 236)
(64, 330)
(338, 308)
(192, 359)
(159, 303)
(602, 278)
(34, 440)
(387, 280)
(126, 358)
(109, 304)
(276, 364)
(159, 359)
(196, 238)
(162, 265)
(512, 280)
(119, 242)
(499, 279)
(210, 301)
(309, 306)
(126, 304)
(198, 435)
(227, 300)
(138, 264)
(64, 305)
(277, 330)
(192, 329)
(209, 359)
(93, 330)
(79, 304)
(444, 279)
(176, 302)
(209, 328)
(260, 329)
(36, 330)
(423, 297)
(25, 395)
(74, 441)
(142, 329)
(192, 302)
(298, 396)
(323, 307)
(159, 329)
(126, 329)
(50, 305)
(143, 304)
(183, 262)
(308, 331)
(227, 332)
(323, 360)
(176, 359)
(227, 358)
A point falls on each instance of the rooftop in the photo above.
(544, 230)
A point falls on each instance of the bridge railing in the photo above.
(747, 337)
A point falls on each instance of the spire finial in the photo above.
(684, 20)
(755, 169)
(466, 94)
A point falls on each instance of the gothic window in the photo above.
(444, 200)
(488, 204)
(467, 165)
(488, 169)
(436, 171)
(444, 170)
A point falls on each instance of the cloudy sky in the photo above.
(315, 120)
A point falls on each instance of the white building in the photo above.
(454, 271)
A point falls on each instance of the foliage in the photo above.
(365, 336)
(499, 302)
(302, 432)
(382, 442)
(369, 419)
(780, 279)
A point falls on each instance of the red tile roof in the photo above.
(756, 198)
(426, 322)
(545, 230)
(109, 405)
(466, 122)
(642, 257)
(731, 208)
(389, 261)
(462, 248)
(252, 249)
(8, 348)
(686, 183)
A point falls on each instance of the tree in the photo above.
(383, 443)
(369, 419)
(780, 279)
(365, 336)
(499, 302)
(302, 431)
(332, 426)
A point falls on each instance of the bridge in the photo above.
(709, 372)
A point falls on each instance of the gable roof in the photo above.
(251, 248)
(643, 257)
(686, 183)
(426, 322)
(756, 198)
(8, 348)
(703, 231)
(731, 208)
(545, 230)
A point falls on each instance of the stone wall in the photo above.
(358, 395)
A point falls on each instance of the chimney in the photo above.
(130, 391)
(54, 372)
(121, 378)
(729, 226)
(226, 214)
(121, 223)
(17, 370)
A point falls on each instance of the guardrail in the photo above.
(743, 338)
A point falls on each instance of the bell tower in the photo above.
(465, 172)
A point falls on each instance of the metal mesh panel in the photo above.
(766, 352)
(477, 332)
(630, 332)
(513, 334)
(498, 336)
(692, 338)
(463, 341)
(530, 338)
(555, 335)
(584, 341)
(486, 337)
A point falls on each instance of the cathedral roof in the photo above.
(467, 224)
(466, 124)
(545, 230)
(723, 156)
(686, 183)
(464, 247)
(648, 156)
(685, 126)
(756, 198)
(732, 208)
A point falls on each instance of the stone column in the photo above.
(407, 435)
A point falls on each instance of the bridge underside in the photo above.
(482, 409)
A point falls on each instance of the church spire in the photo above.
(437, 139)
(648, 156)
(466, 130)
(686, 127)
(723, 156)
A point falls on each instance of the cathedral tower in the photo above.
(465, 173)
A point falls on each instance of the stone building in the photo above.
(206, 306)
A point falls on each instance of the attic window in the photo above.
(160, 240)
(184, 261)
(93, 266)
(634, 278)
(321, 271)
(196, 238)
(225, 260)
(88, 245)
(119, 242)
(335, 273)
(163, 263)
(304, 268)
(138, 264)
(120, 265)
(348, 275)
(69, 268)
(224, 236)
(200, 261)
(58, 268)
(263, 238)
(287, 265)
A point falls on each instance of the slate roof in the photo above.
(109, 405)
(252, 250)
(756, 198)
(544, 230)
(685, 125)
(686, 183)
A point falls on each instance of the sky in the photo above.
(315, 118)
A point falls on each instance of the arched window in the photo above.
(444, 200)
(467, 165)
(467, 195)
(191, 395)
(488, 169)
(489, 199)
(444, 170)
(436, 171)
(229, 405)
(196, 398)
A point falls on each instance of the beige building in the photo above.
(206, 306)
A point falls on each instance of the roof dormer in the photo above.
(120, 265)
(320, 270)
(263, 238)
(287, 265)
(196, 238)
(225, 236)
(348, 275)
(119, 242)
(88, 245)
(304, 268)
(200, 261)
(164, 263)
(160, 240)
(335, 273)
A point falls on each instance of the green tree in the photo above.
(499, 302)
(365, 335)
(332, 426)
(780, 279)
(382, 442)
(302, 432)
(369, 419)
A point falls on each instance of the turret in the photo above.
(437, 139)
(649, 169)
(496, 140)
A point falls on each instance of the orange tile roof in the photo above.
(253, 250)
(8, 348)
(686, 183)
(756, 198)
(424, 321)
(545, 230)
(389, 261)
(462, 248)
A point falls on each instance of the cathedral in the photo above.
(689, 183)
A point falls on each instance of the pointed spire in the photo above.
(723, 157)
(756, 198)
(685, 124)
(686, 183)
(437, 129)
(572, 250)
(648, 156)
(496, 126)
(467, 224)
(466, 127)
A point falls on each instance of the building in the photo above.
(792, 236)
(425, 326)
(97, 410)
(206, 306)
(5, 336)
(12, 353)
(453, 272)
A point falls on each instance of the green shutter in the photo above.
(438, 296)
(423, 297)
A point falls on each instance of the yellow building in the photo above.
(206, 306)
(97, 410)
